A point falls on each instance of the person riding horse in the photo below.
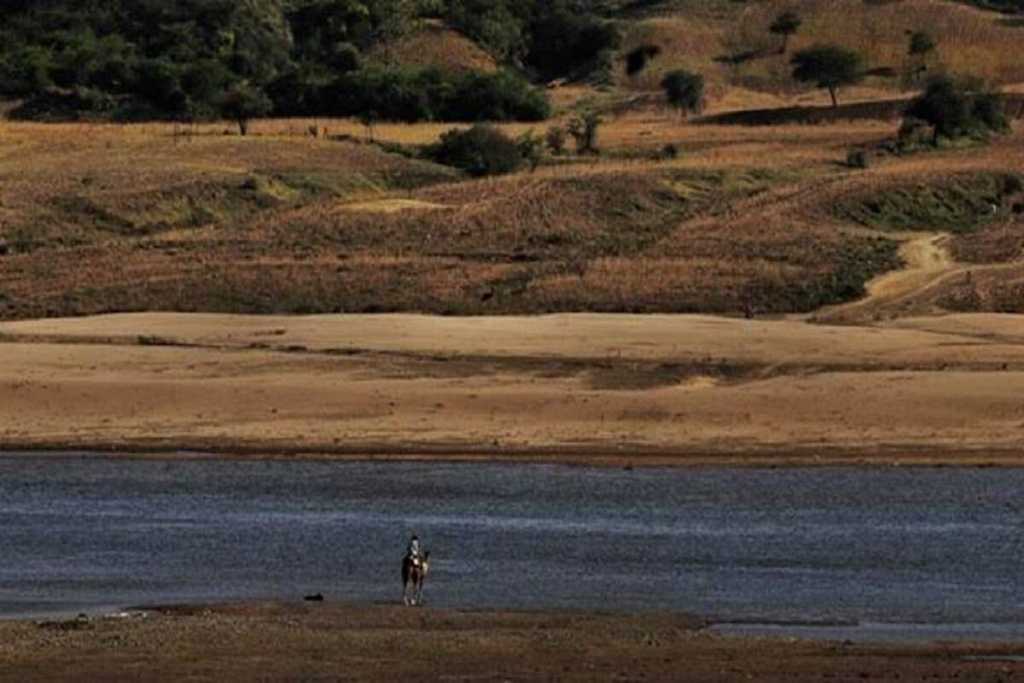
(414, 552)
(415, 566)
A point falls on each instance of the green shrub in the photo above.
(76, 104)
(482, 150)
(583, 129)
(913, 134)
(684, 90)
(555, 139)
(531, 148)
(857, 158)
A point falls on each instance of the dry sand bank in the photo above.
(271, 642)
(614, 388)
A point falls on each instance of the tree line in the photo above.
(199, 59)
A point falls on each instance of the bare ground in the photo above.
(336, 642)
(597, 388)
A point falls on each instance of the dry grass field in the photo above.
(762, 220)
(729, 43)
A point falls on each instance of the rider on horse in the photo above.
(414, 551)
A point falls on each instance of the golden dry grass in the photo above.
(435, 45)
(106, 217)
(970, 41)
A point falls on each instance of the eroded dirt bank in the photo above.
(326, 641)
(597, 388)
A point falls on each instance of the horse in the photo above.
(413, 575)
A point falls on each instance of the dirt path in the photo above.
(928, 260)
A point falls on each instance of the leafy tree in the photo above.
(548, 38)
(958, 108)
(565, 42)
(684, 90)
(785, 25)
(244, 102)
(500, 26)
(416, 94)
(828, 66)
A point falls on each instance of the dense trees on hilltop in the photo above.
(550, 38)
(182, 59)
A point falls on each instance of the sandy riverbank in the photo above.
(329, 641)
(582, 388)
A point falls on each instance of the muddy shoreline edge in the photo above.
(338, 641)
(624, 456)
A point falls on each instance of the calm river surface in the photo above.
(838, 550)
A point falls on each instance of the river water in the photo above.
(834, 551)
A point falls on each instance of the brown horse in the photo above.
(413, 575)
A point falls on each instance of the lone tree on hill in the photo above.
(242, 103)
(920, 46)
(828, 66)
(959, 108)
(785, 25)
(684, 90)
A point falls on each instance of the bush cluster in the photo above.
(405, 94)
(480, 151)
(549, 38)
(956, 108)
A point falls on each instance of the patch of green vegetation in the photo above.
(87, 213)
(959, 205)
(704, 187)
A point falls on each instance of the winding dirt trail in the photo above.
(928, 260)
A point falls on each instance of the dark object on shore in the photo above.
(4, 249)
(316, 597)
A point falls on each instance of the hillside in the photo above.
(175, 61)
(743, 62)
(766, 220)
(747, 220)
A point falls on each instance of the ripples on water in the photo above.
(933, 546)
